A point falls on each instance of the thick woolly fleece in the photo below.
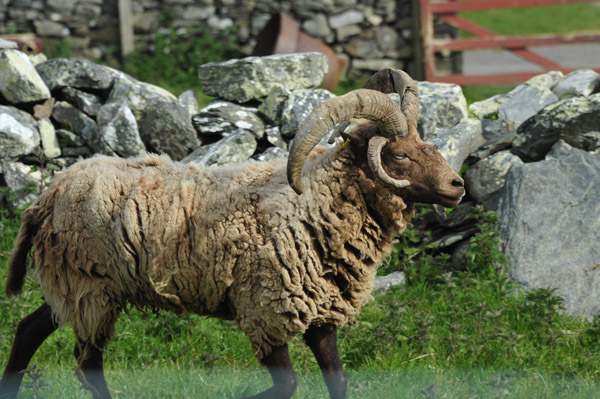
(234, 242)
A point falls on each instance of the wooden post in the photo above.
(126, 27)
(418, 42)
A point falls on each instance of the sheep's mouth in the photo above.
(451, 200)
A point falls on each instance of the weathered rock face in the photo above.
(19, 81)
(575, 120)
(443, 106)
(549, 218)
(235, 148)
(485, 180)
(251, 78)
(223, 117)
(119, 129)
(457, 143)
(18, 135)
(298, 105)
(167, 129)
(582, 82)
(77, 73)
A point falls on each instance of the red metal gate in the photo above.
(446, 11)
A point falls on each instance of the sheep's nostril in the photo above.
(458, 182)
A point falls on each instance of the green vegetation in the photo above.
(448, 333)
(171, 59)
(561, 18)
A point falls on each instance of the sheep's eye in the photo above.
(400, 156)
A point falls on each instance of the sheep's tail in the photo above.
(17, 266)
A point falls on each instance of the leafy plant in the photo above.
(171, 58)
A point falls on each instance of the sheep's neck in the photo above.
(354, 228)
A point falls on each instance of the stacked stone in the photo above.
(371, 34)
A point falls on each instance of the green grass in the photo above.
(537, 20)
(466, 333)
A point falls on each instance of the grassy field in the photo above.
(448, 334)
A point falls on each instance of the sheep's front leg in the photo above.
(322, 340)
(31, 332)
(91, 370)
(284, 379)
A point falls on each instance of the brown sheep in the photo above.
(232, 242)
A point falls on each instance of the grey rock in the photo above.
(576, 120)
(63, 6)
(8, 44)
(376, 64)
(119, 129)
(365, 49)
(559, 149)
(451, 238)
(75, 152)
(299, 104)
(223, 117)
(383, 283)
(50, 145)
(272, 106)
(488, 107)
(23, 180)
(18, 133)
(235, 148)
(51, 28)
(457, 143)
(582, 82)
(189, 100)
(77, 73)
(274, 137)
(271, 154)
(443, 106)
(85, 127)
(485, 179)
(524, 102)
(347, 31)
(548, 217)
(346, 18)
(241, 80)
(19, 81)
(497, 137)
(138, 94)
(546, 80)
(86, 102)
(69, 138)
(166, 128)
(388, 40)
(317, 26)
(460, 216)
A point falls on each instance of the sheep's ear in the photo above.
(359, 134)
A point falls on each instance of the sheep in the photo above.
(281, 249)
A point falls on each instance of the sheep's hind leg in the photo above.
(322, 340)
(31, 332)
(281, 370)
(91, 369)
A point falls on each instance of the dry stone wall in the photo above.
(370, 34)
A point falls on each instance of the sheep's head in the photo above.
(396, 156)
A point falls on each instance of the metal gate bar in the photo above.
(488, 39)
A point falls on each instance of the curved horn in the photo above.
(361, 103)
(376, 144)
(390, 80)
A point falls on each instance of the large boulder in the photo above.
(166, 128)
(85, 127)
(485, 180)
(575, 120)
(224, 117)
(18, 133)
(235, 148)
(457, 143)
(245, 79)
(443, 106)
(77, 73)
(524, 102)
(581, 82)
(119, 129)
(548, 217)
(19, 81)
(298, 105)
